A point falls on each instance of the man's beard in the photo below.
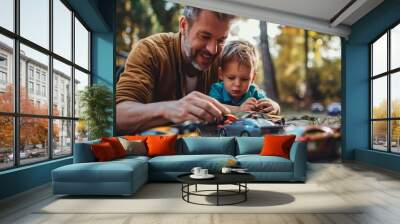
(191, 55)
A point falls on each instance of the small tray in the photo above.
(208, 176)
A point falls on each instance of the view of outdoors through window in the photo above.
(37, 85)
(385, 82)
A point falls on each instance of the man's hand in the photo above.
(194, 107)
(249, 105)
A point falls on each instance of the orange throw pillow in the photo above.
(136, 137)
(116, 145)
(103, 152)
(159, 145)
(142, 138)
(277, 145)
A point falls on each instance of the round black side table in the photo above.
(238, 179)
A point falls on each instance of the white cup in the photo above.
(196, 170)
(203, 172)
(226, 170)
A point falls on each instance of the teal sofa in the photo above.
(125, 176)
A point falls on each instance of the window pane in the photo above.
(62, 141)
(6, 74)
(35, 21)
(7, 14)
(379, 98)
(62, 89)
(33, 140)
(379, 135)
(395, 138)
(395, 94)
(6, 142)
(81, 131)
(62, 29)
(81, 45)
(34, 78)
(395, 47)
(81, 81)
(379, 55)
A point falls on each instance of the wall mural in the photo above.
(194, 72)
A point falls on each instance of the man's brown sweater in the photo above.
(153, 71)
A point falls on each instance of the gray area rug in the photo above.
(166, 198)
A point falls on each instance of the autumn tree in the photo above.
(395, 123)
(380, 127)
(267, 64)
(307, 69)
(32, 130)
(6, 122)
(323, 70)
(140, 18)
(289, 65)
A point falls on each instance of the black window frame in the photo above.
(16, 115)
(388, 74)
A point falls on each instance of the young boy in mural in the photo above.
(237, 72)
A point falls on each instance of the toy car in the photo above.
(185, 129)
(334, 109)
(258, 115)
(317, 108)
(251, 124)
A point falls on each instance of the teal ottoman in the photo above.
(118, 177)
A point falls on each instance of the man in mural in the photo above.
(168, 75)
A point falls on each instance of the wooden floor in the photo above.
(377, 188)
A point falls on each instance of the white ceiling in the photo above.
(322, 9)
(317, 15)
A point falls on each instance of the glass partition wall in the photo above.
(385, 91)
(44, 64)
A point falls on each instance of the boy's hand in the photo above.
(268, 106)
(249, 105)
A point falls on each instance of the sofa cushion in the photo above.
(116, 145)
(133, 158)
(257, 163)
(103, 152)
(249, 145)
(93, 172)
(185, 163)
(83, 152)
(135, 137)
(134, 147)
(118, 177)
(112, 171)
(207, 145)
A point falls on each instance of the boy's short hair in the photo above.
(241, 51)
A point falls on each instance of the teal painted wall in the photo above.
(380, 159)
(24, 178)
(91, 11)
(99, 16)
(103, 63)
(356, 85)
(103, 51)
(356, 99)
